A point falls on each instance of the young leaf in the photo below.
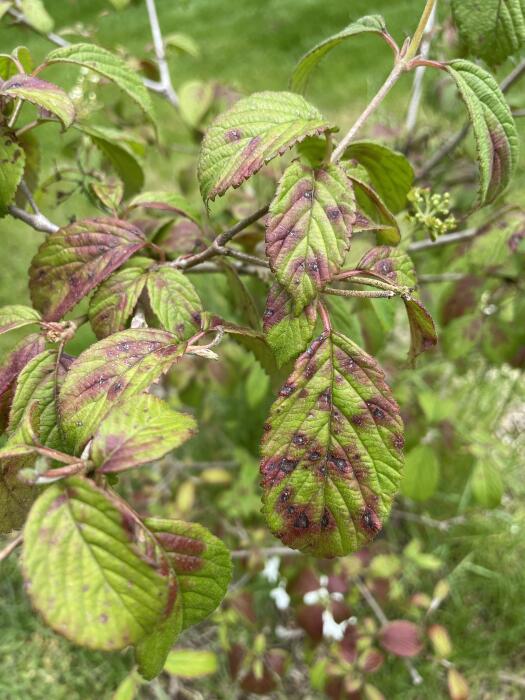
(308, 229)
(381, 218)
(141, 431)
(369, 24)
(76, 259)
(112, 370)
(287, 334)
(110, 66)
(42, 94)
(175, 302)
(12, 157)
(390, 172)
(492, 30)
(92, 570)
(251, 133)
(169, 202)
(421, 476)
(332, 450)
(17, 316)
(115, 300)
(191, 663)
(494, 128)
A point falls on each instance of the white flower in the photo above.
(271, 569)
(332, 629)
(281, 597)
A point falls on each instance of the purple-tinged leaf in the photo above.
(15, 361)
(251, 133)
(76, 259)
(332, 452)
(375, 215)
(112, 370)
(401, 637)
(17, 316)
(174, 301)
(183, 237)
(137, 432)
(12, 156)
(44, 95)
(168, 202)
(287, 334)
(308, 229)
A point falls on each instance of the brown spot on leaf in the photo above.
(233, 135)
(301, 522)
(370, 521)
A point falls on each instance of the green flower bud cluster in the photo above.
(430, 212)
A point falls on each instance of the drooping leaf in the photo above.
(493, 125)
(42, 94)
(191, 663)
(141, 431)
(94, 573)
(390, 172)
(287, 334)
(378, 216)
(249, 338)
(169, 202)
(368, 24)
(421, 476)
(15, 361)
(77, 258)
(251, 133)
(114, 301)
(308, 229)
(175, 301)
(17, 316)
(37, 15)
(332, 450)
(196, 98)
(12, 157)
(112, 370)
(110, 66)
(492, 30)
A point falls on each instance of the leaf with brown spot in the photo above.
(308, 229)
(331, 462)
(44, 95)
(174, 301)
(76, 259)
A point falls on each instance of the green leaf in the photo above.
(421, 476)
(183, 43)
(287, 334)
(191, 663)
(76, 259)
(494, 128)
(42, 94)
(242, 299)
(12, 157)
(140, 431)
(16, 496)
(251, 133)
(92, 570)
(390, 172)
(332, 451)
(367, 24)
(112, 370)
(4, 6)
(486, 485)
(308, 229)
(169, 202)
(113, 303)
(17, 316)
(195, 98)
(381, 218)
(37, 15)
(129, 687)
(110, 66)
(493, 29)
(174, 301)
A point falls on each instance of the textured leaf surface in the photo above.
(110, 66)
(377, 216)
(112, 370)
(175, 302)
(15, 496)
(287, 334)
(491, 29)
(332, 450)
(169, 202)
(494, 128)
(42, 94)
(12, 157)
(370, 23)
(308, 229)
(17, 316)
(141, 431)
(115, 300)
(95, 575)
(77, 258)
(255, 130)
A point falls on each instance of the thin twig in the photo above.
(37, 221)
(265, 552)
(160, 52)
(20, 17)
(448, 239)
(360, 294)
(10, 548)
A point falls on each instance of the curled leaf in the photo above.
(39, 92)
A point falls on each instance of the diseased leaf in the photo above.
(15, 361)
(110, 66)
(251, 133)
(370, 23)
(42, 94)
(497, 142)
(17, 316)
(112, 370)
(287, 334)
(77, 258)
(492, 29)
(390, 172)
(332, 450)
(12, 157)
(113, 303)
(169, 202)
(175, 301)
(377, 216)
(92, 570)
(138, 432)
(308, 229)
